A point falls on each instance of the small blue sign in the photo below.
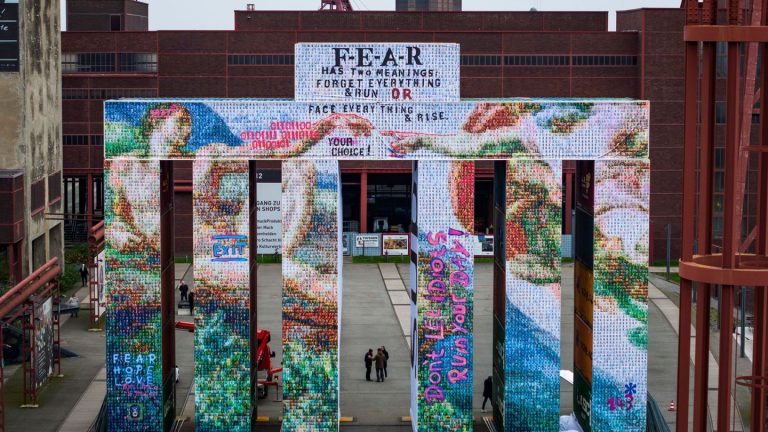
(229, 248)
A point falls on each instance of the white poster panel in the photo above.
(367, 241)
(395, 244)
(98, 277)
(383, 72)
(269, 229)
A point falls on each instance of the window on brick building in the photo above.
(38, 196)
(54, 187)
(260, 59)
(480, 60)
(109, 93)
(138, 62)
(87, 62)
(539, 60)
(605, 60)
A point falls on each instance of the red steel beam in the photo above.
(760, 334)
(19, 293)
(730, 236)
(701, 371)
(724, 33)
(689, 194)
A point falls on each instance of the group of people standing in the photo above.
(380, 360)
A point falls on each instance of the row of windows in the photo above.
(147, 62)
(107, 93)
(548, 60)
(108, 62)
(260, 59)
(83, 140)
(606, 60)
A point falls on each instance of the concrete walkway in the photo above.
(376, 311)
(60, 395)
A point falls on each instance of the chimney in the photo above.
(251, 7)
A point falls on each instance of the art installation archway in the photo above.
(529, 139)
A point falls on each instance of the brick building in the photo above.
(503, 54)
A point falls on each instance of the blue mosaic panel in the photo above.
(132, 278)
(532, 352)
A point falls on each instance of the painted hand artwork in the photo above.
(530, 138)
(546, 129)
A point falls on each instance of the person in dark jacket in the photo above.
(487, 391)
(191, 300)
(379, 359)
(183, 289)
(368, 364)
(83, 274)
(386, 360)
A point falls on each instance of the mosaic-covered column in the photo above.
(220, 195)
(620, 316)
(532, 312)
(311, 295)
(132, 278)
(443, 283)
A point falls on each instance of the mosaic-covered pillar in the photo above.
(443, 283)
(220, 197)
(620, 316)
(532, 312)
(311, 295)
(132, 278)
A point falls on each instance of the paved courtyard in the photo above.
(375, 312)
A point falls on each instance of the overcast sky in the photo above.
(218, 14)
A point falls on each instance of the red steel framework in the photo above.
(95, 246)
(16, 303)
(741, 262)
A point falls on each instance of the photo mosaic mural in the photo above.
(221, 296)
(443, 137)
(311, 295)
(253, 129)
(620, 317)
(532, 308)
(441, 390)
(132, 276)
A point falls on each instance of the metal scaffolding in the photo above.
(740, 261)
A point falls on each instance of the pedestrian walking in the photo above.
(487, 391)
(74, 304)
(191, 300)
(83, 275)
(379, 360)
(368, 364)
(183, 289)
(176, 371)
(386, 360)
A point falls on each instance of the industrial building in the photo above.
(108, 53)
(30, 138)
